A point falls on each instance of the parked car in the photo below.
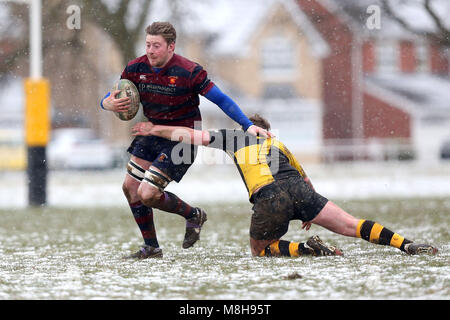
(78, 148)
(13, 153)
(445, 149)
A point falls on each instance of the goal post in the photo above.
(37, 110)
(37, 134)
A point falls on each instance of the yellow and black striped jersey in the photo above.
(260, 161)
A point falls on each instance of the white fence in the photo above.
(367, 150)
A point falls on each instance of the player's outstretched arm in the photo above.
(174, 133)
(232, 110)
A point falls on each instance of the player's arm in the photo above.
(306, 224)
(232, 110)
(293, 162)
(299, 168)
(174, 133)
(111, 103)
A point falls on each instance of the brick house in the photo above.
(377, 90)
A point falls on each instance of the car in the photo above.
(78, 148)
(13, 153)
(445, 149)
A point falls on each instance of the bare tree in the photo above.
(71, 56)
(441, 34)
(357, 9)
(115, 22)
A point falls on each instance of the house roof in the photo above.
(421, 94)
(229, 24)
(238, 21)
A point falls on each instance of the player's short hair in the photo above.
(164, 29)
(260, 121)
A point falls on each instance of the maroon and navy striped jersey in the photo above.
(170, 96)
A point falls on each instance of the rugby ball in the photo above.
(127, 89)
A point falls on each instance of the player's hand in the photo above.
(117, 105)
(255, 131)
(142, 129)
(306, 225)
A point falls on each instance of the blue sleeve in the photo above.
(228, 106)
(101, 102)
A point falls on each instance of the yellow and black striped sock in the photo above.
(376, 233)
(286, 249)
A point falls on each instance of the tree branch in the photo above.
(97, 11)
(142, 17)
(442, 35)
(388, 9)
(437, 21)
(123, 7)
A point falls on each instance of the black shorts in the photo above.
(171, 157)
(276, 204)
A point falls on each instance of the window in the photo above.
(387, 57)
(277, 57)
(422, 57)
(278, 91)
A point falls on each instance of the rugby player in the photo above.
(169, 86)
(280, 191)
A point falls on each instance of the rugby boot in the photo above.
(145, 252)
(420, 248)
(321, 249)
(193, 228)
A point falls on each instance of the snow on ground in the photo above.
(222, 183)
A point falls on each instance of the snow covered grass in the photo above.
(75, 253)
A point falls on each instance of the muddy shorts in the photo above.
(275, 205)
(171, 157)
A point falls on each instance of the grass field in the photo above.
(58, 253)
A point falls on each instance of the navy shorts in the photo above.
(276, 204)
(171, 157)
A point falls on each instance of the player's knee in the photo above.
(152, 187)
(135, 174)
(257, 246)
(129, 191)
(149, 195)
(254, 250)
(125, 190)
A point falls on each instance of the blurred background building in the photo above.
(340, 80)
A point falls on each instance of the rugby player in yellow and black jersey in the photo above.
(280, 191)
